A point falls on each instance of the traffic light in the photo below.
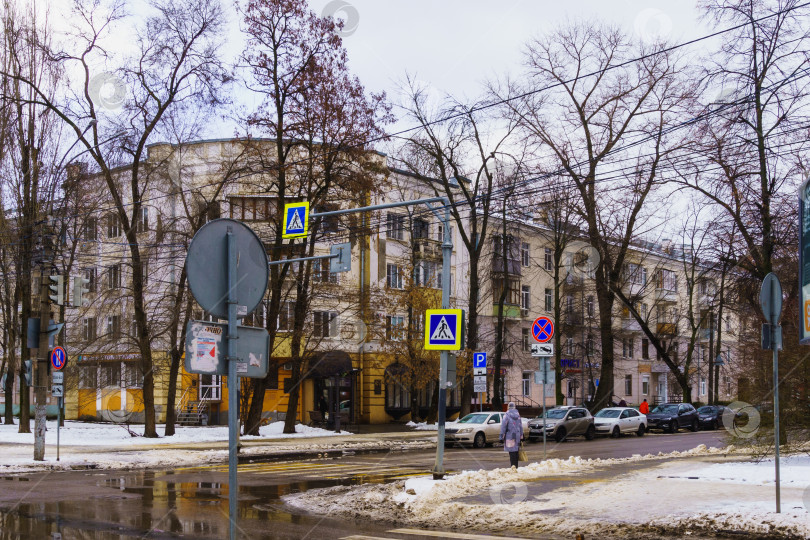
(78, 291)
(27, 372)
(58, 288)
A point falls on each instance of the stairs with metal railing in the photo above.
(192, 413)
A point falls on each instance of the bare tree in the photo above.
(597, 101)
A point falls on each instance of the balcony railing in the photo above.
(667, 329)
(666, 295)
(629, 324)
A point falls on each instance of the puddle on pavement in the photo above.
(149, 504)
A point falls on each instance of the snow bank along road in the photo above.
(707, 491)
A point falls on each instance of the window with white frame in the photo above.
(426, 274)
(110, 375)
(394, 226)
(549, 300)
(589, 306)
(628, 385)
(325, 324)
(421, 228)
(525, 297)
(286, 314)
(91, 274)
(88, 377)
(527, 383)
(667, 280)
(142, 220)
(321, 273)
(114, 277)
(702, 386)
(89, 329)
(524, 340)
(569, 346)
(90, 231)
(132, 376)
(393, 278)
(394, 328)
(645, 385)
(525, 259)
(548, 259)
(113, 327)
(113, 226)
(635, 274)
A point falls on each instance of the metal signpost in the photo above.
(227, 268)
(804, 263)
(543, 331)
(58, 391)
(480, 377)
(770, 299)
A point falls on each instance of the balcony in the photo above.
(427, 249)
(571, 318)
(667, 329)
(666, 295)
(512, 266)
(510, 311)
(573, 283)
(629, 324)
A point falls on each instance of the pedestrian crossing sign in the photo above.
(296, 220)
(443, 331)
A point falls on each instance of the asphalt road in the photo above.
(193, 502)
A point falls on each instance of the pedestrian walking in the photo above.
(512, 433)
(622, 403)
(644, 408)
(323, 407)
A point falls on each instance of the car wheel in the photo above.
(449, 445)
(694, 426)
(560, 435)
(714, 425)
(533, 439)
(590, 433)
(673, 428)
(616, 432)
(480, 440)
(641, 430)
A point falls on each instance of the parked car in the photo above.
(617, 420)
(673, 416)
(479, 429)
(562, 422)
(710, 416)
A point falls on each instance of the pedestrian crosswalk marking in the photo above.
(327, 470)
(426, 532)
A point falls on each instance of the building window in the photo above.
(549, 300)
(635, 274)
(527, 383)
(393, 277)
(702, 386)
(394, 328)
(645, 348)
(645, 385)
(512, 293)
(89, 329)
(286, 314)
(628, 385)
(110, 375)
(511, 249)
(589, 346)
(394, 226)
(113, 226)
(88, 377)
(325, 324)
(421, 228)
(91, 229)
(426, 274)
(142, 220)
(524, 339)
(548, 259)
(589, 306)
(524, 254)
(668, 280)
(569, 346)
(114, 277)
(113, 326)
(321, 273)
(91, 275)
(397, 395)
(525, 297)
(132, 375)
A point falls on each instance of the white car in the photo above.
(617, 420)
(480, 429)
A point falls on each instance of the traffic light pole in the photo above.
(41, 369)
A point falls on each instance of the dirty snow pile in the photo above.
(423, 426)
(582, 498)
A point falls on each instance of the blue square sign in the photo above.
(480, 360)
(443, 330)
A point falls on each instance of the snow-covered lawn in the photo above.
(107, 434)
(693, 492)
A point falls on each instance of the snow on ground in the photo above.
(108, 434)
(423, 426)
(678, 493)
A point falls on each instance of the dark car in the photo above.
(673, 416)
(710, 416)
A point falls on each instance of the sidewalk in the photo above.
(108, 446)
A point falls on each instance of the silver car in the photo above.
(563, 422)
(479, 429)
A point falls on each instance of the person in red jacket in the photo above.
(644, 408)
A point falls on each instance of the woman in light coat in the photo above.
(512, 433)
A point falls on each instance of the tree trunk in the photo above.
(605, 389)
(472, 335)
(171, 413)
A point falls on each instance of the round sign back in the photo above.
(207, 267)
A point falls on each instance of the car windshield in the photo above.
(555, 413)
(666, 409)
(608, 413)
(474, 419)
(707, 410)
